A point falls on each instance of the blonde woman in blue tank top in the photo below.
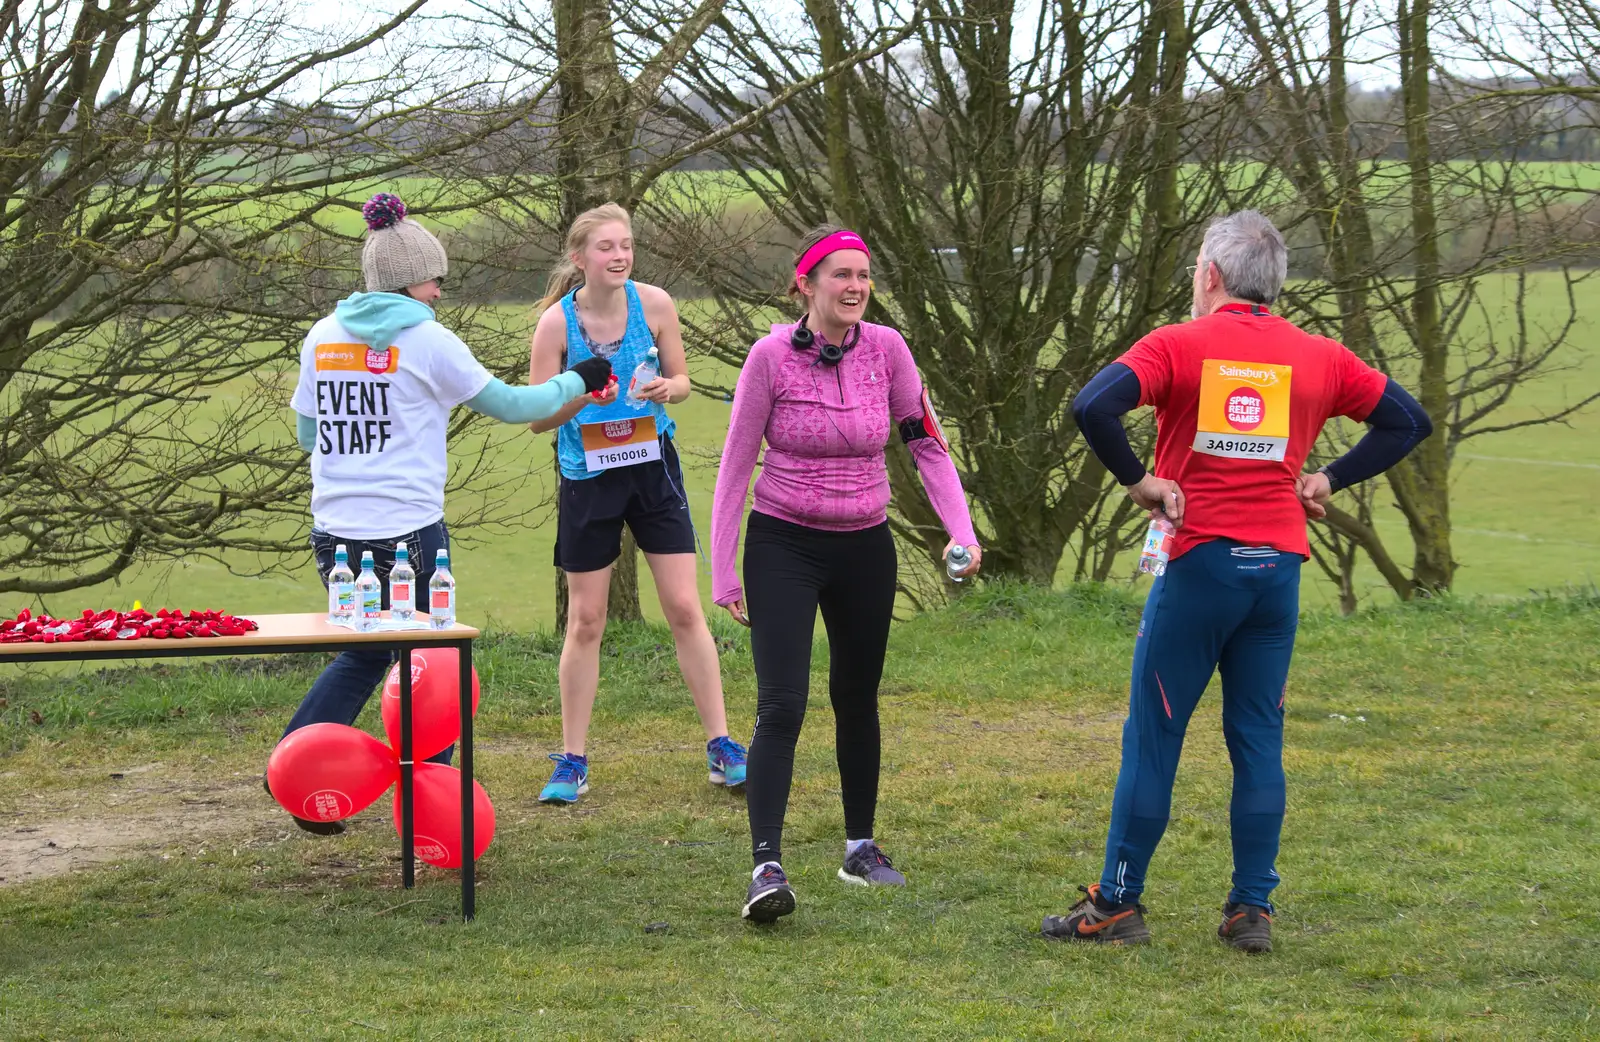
(619, 466)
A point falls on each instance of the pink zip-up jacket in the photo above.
(826, 429)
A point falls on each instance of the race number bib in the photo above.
(1244, 410)
(619, 443)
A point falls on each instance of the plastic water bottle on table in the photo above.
(442, 593)
(341, 589)
(369, 595)
(402, 586)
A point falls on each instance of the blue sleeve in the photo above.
(305, 431)
(1098, 410)
(1396, 425)
(510, 404)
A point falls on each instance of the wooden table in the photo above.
(311, 632)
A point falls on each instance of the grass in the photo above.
(1436, 862)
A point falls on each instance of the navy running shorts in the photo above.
(648, 497)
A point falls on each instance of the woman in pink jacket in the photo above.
(826, 394)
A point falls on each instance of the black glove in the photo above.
(596, 372)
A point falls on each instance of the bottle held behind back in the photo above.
(442, 593)
(1157, 546)
(402, 585)
(648, 370)
(341, 588)
(369, 595)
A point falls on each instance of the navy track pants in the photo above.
(1227, 606)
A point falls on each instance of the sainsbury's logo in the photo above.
(1259, 377)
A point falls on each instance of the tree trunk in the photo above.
(590, 82)
(1422, 483)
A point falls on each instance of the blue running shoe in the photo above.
(568, 781)
(726, 758)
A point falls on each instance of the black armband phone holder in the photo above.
(924, 426)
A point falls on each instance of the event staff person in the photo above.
(378, 379)
(619, 466)
(826, 394)
(1240, 398)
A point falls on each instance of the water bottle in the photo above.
(955, 561)
(442, 593)
(648, 370)
(341, 588)
(369, 595)
(402, 586)
(1157, 546)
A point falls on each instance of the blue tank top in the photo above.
(636, 343)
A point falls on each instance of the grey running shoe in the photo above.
(770, 896)
(1099, 921)
(1247, 928)
(867, 865)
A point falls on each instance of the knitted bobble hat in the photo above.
(399, 251)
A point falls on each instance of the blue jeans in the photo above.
(1220, 604)
(344, 687)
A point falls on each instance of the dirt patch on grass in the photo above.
(134, 811)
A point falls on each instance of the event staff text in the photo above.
(358, 401)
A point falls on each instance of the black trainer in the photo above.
(316, 828)
(1099, 921)
(770, 896)
(1246, 927)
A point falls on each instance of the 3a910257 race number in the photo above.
(1244, 410)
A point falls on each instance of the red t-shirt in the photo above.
(1240, 398)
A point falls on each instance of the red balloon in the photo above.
(436, 826)
(326, 772)
(435, 701)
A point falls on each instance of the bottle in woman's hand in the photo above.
(648, 370)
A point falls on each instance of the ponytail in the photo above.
(563, 280)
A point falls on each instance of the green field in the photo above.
(1438, 858)
(1522, 509)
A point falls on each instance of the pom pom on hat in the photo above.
(399, 251)
(383, 211)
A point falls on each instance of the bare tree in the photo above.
(1029, 221)
(181, 181)
(1409, 252)
(614, 138)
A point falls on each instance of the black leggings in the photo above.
(789, 572)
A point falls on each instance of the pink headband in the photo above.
(833, 243)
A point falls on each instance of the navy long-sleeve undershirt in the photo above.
(1098, 410)
(1396, 425)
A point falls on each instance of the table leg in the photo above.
(408, 865)
(469, 868)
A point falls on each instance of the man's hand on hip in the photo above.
(1314, 490)
(1153, 493)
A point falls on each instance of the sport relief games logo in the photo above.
(1245, 409)
(432, 851)
(617, 431)
(328, 805)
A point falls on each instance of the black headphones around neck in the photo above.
(803, 339)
